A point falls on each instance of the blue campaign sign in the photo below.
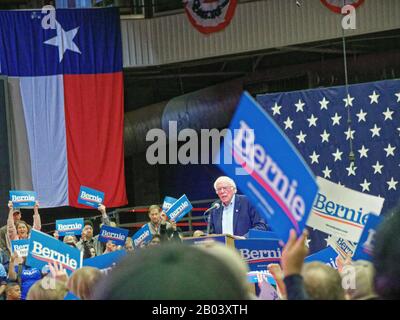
(258, 276)
(365, 247)
(327, 256)
(259, 234)
(142, 236)
(44, 248)
(259, 253)
(105, 261)
(268, 168)
(21, 246)
(90, 197)
(167, 203)
(117, 235)
(69, 226)
(179, 209)
(22, 199)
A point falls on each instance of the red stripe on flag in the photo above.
(94, 116)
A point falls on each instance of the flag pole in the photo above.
(346, 78)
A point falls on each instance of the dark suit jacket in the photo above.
(245, 217)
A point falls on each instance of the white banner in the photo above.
(341, 211)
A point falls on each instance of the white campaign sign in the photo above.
(341, 211)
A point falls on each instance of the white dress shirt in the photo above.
(227, 217)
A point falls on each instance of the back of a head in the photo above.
(172, 271)
(83, 281)
(322, 282)
(386, 257)
(47, 289)
(364, 276)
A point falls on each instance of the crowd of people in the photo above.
(165, 267)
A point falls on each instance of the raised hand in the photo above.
(293, 253)
(102, 208)
(57, 271)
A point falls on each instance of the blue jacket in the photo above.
(245, 217)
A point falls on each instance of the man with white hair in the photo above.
(235, 216)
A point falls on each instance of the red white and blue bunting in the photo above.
(209, 16)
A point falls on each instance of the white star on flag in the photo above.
(349, 134)
(389, 150)
(299, 106)
(388, 114)
(336, 119)
(363, 152)
(365, 185)
(314, 157)
(276, 109)
(361, 116)
(324, 104)
(312, 121)
(348, 101)
(325, 136)
(375, 131)
(374, 97)
(337, 155)
(64, 41)
(327, 173)
(288, 123)
(351, 169)
(392, 184)
(301, 137)
(378, 168)
(398, 96)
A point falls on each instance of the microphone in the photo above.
(215, 205)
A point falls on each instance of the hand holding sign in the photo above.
(90, 197)
(23, 199)
(293, 253)
(277, 273)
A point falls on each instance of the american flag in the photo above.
(348, 135)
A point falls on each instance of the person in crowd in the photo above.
(4, 258)
(70, 240)
(201, 275)
(20, 229)
(322, 282)
(313, 280)
(155, 241)
(386, 257)
(236, 216)
(24, 275)
(13, 291)
(3, 281)
(5, 243)
(87, 240)
(276, 271)
(292, 260)
(362, 287)
(129, 244)
(110, 247)
(198, 233)
(233, 261)
(47, 288)
(83, 281)
(158, 224)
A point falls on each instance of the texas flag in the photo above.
(65, 85)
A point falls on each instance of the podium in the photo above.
(257, 264)
(225, 239)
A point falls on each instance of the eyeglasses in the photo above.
(219, 190)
